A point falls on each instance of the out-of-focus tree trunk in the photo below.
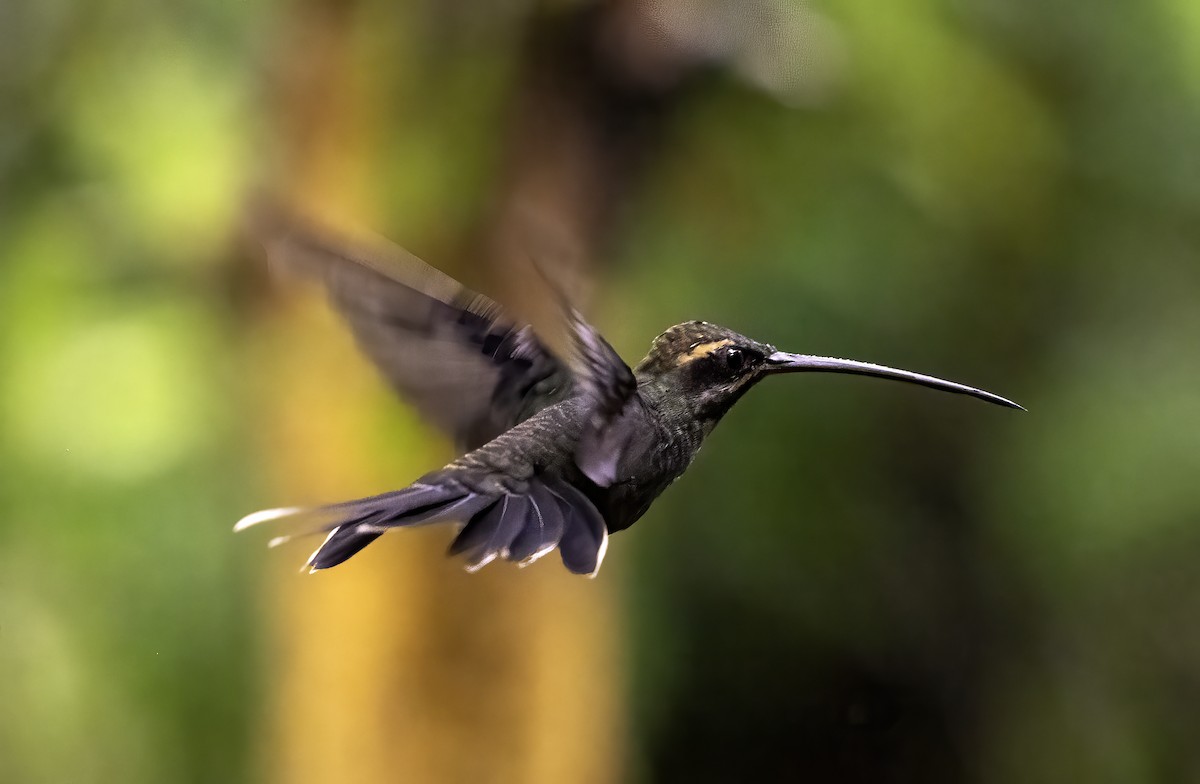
(399, 666)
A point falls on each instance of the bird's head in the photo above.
(705, 366)
(709, 367)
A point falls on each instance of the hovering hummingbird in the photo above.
(555, 452)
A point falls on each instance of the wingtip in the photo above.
(265, 515)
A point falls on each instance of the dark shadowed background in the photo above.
(855, 582)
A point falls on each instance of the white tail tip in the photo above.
(600, 555)
(266, 515)
(537, 555)
(315, 553)
(472, 568)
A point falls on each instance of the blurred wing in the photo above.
(599, 371)
(614, 434)
(449, 351)
(611, 451)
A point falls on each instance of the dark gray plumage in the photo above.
(557, 454)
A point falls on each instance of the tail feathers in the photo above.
(489, 533)
(362, 522)
(519, 526)
(525, 527)
(339, 546)
(544, 528)
(585, 537)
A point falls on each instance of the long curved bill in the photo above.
(783, 362)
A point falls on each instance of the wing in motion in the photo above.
(451, 353)
(474, 372)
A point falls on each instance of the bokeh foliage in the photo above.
(855, 581)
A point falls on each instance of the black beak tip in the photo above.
(1000, 401)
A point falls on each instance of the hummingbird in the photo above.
(557, 450)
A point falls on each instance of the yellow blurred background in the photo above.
(855, 581)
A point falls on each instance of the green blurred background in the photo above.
(855, 581)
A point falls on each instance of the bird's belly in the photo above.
(623, 504)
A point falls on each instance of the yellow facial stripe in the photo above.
(702, 350)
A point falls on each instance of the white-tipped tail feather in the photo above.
(533, 558)
(600, 553)
(543, 515)
(312, 558)
(472, 568)
(266, 515)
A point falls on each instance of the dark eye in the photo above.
(735, 359)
